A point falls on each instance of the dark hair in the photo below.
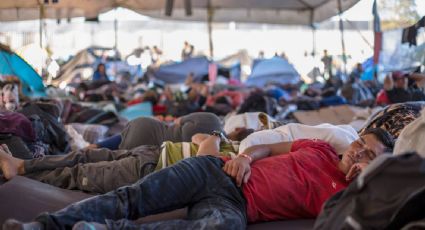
(223, 100)
(383, 136)
(99, 65)
(243, 134)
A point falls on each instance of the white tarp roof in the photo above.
(302, 12)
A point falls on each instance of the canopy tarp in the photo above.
(81, 63)
(13, 65)
(276, 69)
(301, 12)
(178, 72)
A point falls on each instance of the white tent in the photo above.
(301, 12)
(295, 12)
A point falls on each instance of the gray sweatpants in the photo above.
(94, 170)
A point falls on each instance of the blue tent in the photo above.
(369, 70)
(12, 64)
(275, 69)
(177, 72)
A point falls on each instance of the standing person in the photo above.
(327, 64)
(356, 74)
(100, 73)
(156, 54)
(187, 51)
(287, 180)
(261, 54)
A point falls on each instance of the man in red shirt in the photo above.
(287, 180)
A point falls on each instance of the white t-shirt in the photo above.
(338, 136)
(247, 120)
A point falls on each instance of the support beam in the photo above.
(210, 16)
(341, 29)
(313, 30)
(188, 7)
(169, 7)
(41, 21)
(115, 31)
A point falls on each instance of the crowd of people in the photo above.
(191, 153)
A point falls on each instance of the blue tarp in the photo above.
(140, 110)
(369, 70)
(275, 69)
(177, 72)
(12, 64)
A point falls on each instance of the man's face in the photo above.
(400, 82)
(363, 150)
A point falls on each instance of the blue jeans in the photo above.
(199, 183)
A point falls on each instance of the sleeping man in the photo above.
(82, 169)
(287, 180)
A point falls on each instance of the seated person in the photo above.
(81, 169)
(149, 131)
(100, 73)
(287, 180)
(397, 90)
(9, 97)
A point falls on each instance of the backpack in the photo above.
(259, 102)
(53, 133)
(389, 194)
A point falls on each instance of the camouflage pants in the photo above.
(94, 170)
(198, 183)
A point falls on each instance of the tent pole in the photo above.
(377, 38)
(41, 14)
(210, 14)
(115, 30)
(313, 29)
(341, 29)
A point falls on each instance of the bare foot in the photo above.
(92, 146)
(9, 165)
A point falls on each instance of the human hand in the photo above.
(92, 146)
(239, 169)
(199, 137)
(355, 170)
(5, 149)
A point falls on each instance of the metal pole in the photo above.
(116, 31)
(210, 15)
(341, 29)
(313, 29)
(41, 24)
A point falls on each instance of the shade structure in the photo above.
(299, 12)
(292, 12)
(276, 70)
(16, 10)
(13, 65)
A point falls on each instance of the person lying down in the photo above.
(80, 169)
(286, 180)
